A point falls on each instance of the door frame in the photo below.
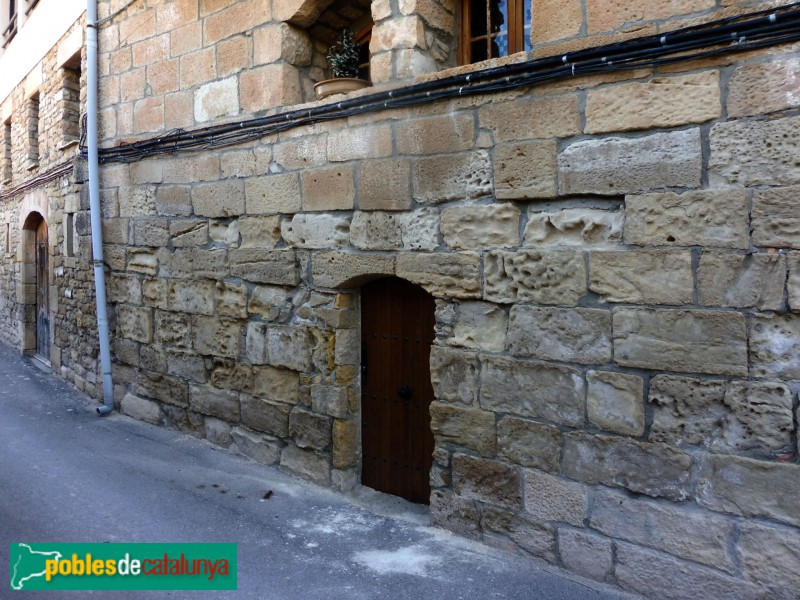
(27, 287)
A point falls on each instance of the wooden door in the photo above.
(397, 321)
(42, 292)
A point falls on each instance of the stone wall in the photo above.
(614, 257)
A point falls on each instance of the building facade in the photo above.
(552, 291)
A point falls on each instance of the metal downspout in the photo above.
(95, 210)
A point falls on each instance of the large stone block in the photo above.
(279, 385)
(610, 16)
(764, 87)
(187, 233)
(169, 390)
(384, 185)
(443, 275)
(703, 217)
(265, 416)
(660, 102)
(775, 219)
(259, 232)
(187, 296)
(586, 554)
(487, 481)
(266, 301)
(454, 375)
(306, 464)
(775, 346)
(258, 446)
(549, 498)
(529, 443)
(360, 143)
(288, 346)
(316, 231)
(652, 469)
(533, 389)
(273, 194)
(135, 323)
(466, 427)
(574, 227)
(340, 269)
(793, 285)
(214, 337)
(141, 409)
(662, 576)
(345, 443)
(682, 530)
(150, 232)
(436, 135)
(770, 557)
(543, 277)
(172, 329)
(328, 189)
(231, 300)
(208, 400)
(220, 199)
(693, 341)
(310, 430)
(264, 266)
(329, 400)
(631, 165)
(531, 118)
(526, 534)
(439, 179)
(580, 335)
(476, 227)
(525, 170)
(614, 402)
(480, 325)
(642, 276)
(752, 153)
(743, 486)
(455, 514)
(417, 230)
(741, 281)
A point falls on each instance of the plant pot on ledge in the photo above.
(343, 61)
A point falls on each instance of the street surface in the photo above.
(67, 475)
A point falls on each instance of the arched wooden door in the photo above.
(397, 329)
(42, 292)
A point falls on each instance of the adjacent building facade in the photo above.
(564, 311)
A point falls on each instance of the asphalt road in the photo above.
(67, 475)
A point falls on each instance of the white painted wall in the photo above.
(47, 23)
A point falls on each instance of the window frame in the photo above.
(516, 30)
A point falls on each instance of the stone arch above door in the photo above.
(31, 220)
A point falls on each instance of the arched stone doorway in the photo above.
(397, 329)
(35, 287)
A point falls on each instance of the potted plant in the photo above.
(343, 61)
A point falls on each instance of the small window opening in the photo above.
(5, 153)
(69, 234)
(33, 131)
(69, 103)
(494, 28)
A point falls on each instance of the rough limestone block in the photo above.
(743, 486)
(469, 428)
(660, 576)
(266, 301)
(443, 275)
(533, 389)
(543, 277)
(259, 232)
(265, 416)
(135, 323)
(417, 230)
(456, 514)
(345, 443)
(436, 135)
(476, 227)
(615, 402)
(223, 233)
(289, 346)
(168, 390)
(693, 341)
(754, 153)
(259, 265)
(741, 281)
(316, 231)
(580, 335)
(529, 443)
(341, 269)
(216, 99)
(329, 400)
(208, 400)
(574, 227)
(585, 553)
(219, 199)
(141, 409)
(487, 481)
(762, 88)
(793, 285)
(454, 375)
(279, 385)
(217, 432)
(310, 430)
(549, 498)
(124, 289)
(683, 531)
(214, 337)
(328, 189)
(172, 329)
(262, 448)
(531, 118)
(150, 232)
(771, 557)
(480, 325)
(631, 165)
(660, 102)
(231, 300)
(515, 532)
(652, 469)
(776, 223)
(608, 16)
(306, 464)
(385, 185)
(439, 179)
(642, 276)
(196, 297)
(775, 346)
(703, 217)
(360, 143)
(273, 194)
(188, 233)
(525, 170)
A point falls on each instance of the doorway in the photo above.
(42, 252)
(397, 329)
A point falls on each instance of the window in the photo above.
(69, 234)
(5, 153)
(9, 22)
(69, 102)
(494, 28)
(33, 131)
